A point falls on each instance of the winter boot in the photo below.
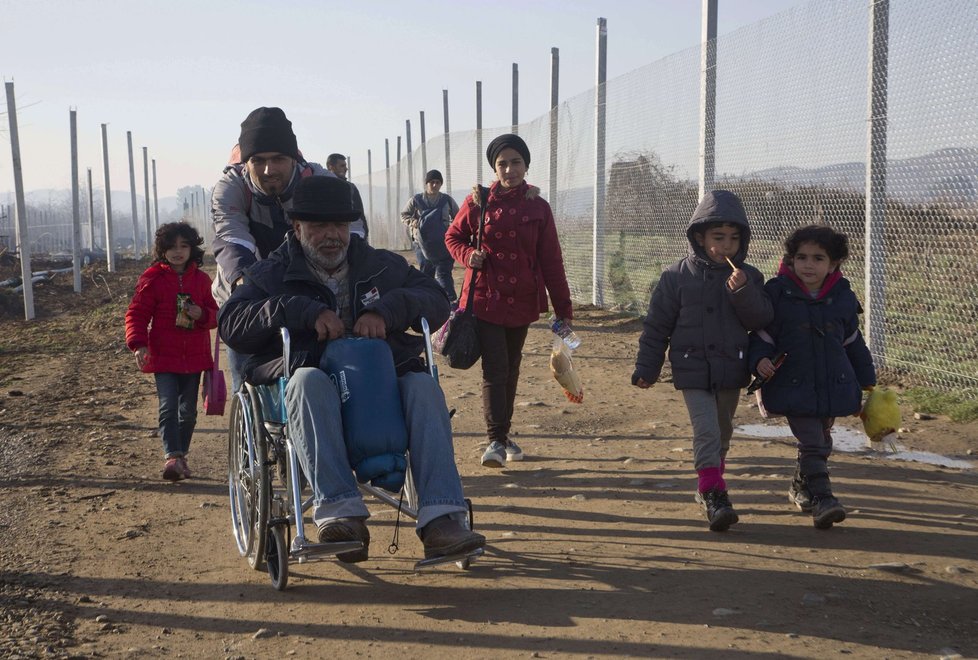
(798, 493)
(719, 511)
(826, 509)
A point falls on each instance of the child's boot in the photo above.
(826, 509)
(719, 510)
(798, 493)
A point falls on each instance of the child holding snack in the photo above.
(167, 329)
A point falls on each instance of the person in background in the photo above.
(518, 264)
(429, 249)
(700, 312)
(826, 365)
(168, 330)
(249, 203)
(336, 163)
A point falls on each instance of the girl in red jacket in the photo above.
(518, 264)
(167, 329)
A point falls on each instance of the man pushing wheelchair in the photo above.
(324, 284)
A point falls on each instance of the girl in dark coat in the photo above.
(826, 363)
(168, 330)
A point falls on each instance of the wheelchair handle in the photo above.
(286, 350)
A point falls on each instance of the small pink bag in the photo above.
(215, 389)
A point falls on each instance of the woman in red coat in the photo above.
(167, 329)
(518, 264)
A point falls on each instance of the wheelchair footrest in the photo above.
(307, 551)
(465, 557)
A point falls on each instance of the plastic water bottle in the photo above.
(565, 332)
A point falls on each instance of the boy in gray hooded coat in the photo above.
(701, 311)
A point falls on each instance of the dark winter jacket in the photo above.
(827, 362)
(696, 317)
(171, 349)
(281, 291)
(523, 261)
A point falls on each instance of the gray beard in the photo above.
(319, 260)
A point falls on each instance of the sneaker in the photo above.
(173, 469)
(495, 456)
(826, 511)
(719, 511)
(799, 495)
(186, 468)
(513, 451)
(443, 537)
(347, 529)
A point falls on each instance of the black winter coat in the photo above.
(281, 291)
(827, 362)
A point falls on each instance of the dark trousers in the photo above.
(424, 265)
(502, 353)
(178, 411)
(443, 275)
(814, 436)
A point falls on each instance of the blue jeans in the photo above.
(443, 275)
(178, 411)
(424, 265)
(316, 429)
(236, 363)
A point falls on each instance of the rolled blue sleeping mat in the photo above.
(370, 401)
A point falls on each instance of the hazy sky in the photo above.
(181, 75)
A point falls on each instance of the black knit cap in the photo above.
(323, 199)
(510, 141)
(433, 175)
(267, 130)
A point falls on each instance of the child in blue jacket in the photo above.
(826, 365)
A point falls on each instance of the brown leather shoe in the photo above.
(347, 529)
(443, 537)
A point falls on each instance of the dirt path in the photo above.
(596, 548)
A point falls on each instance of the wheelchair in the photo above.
(266, 484)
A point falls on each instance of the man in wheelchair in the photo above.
(322, 284)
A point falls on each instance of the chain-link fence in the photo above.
(792, 139)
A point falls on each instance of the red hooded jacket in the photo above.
(523, 261)
(171, 349)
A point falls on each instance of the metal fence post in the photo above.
(554, 134)
(875, 254)
(23, 238)
(478, 132)
(109, 248)
(600, 100)
(708, 96)
(424, 146)
(132, 195)
(410, 158)
(387, 164)
(91, 213)
(156, 205)
(75, 211)
(370, 183)
(516, 97)
(397, 187)
(149, 231)
(448, 148)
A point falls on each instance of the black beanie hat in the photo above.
(323, 199)
(433, 175)
(267, 130)
(510, 141)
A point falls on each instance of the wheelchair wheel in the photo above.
(277, 557)
(241, 474)
(261, 499)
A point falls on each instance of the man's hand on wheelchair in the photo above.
(370, 325)
(329, 326)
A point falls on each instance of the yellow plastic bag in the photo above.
(563, 370)
(881, 417)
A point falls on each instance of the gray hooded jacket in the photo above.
(696, 318)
